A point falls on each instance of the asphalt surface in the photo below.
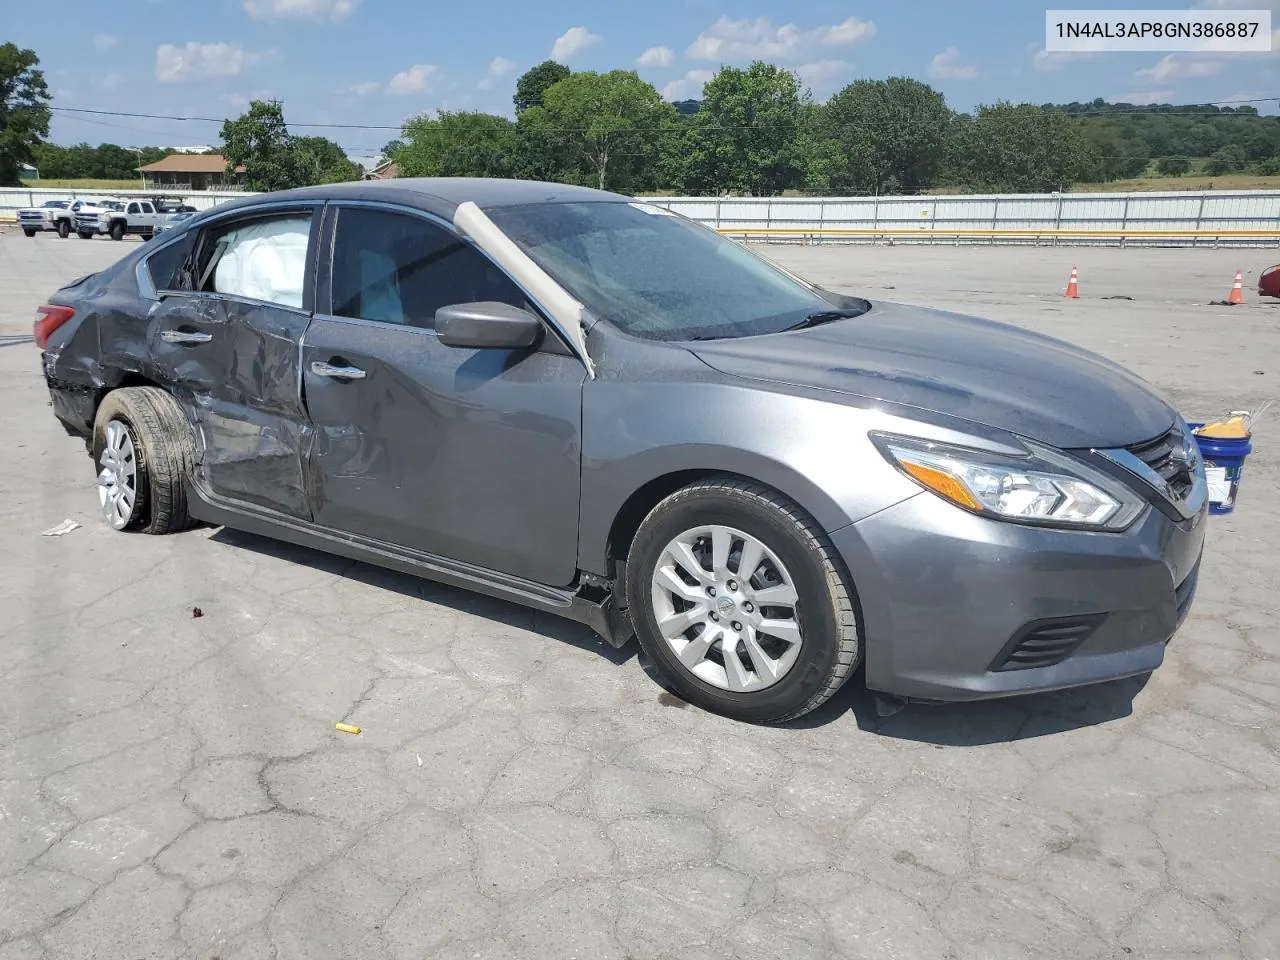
(173, 785)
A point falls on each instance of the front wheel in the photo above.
(84, 234)
(740, 601)
(64, 229)
(117, 231)
(144, 451)
(29, 231)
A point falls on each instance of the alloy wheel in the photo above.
(726, 605)
(118, 475)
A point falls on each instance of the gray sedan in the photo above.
(591, 406)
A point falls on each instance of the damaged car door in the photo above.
(473, 454)
(227, 340)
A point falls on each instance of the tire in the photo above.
(164, 455)
(84, 234)
(29, 231)
(117, 231)
(821, 616)
(64, 229)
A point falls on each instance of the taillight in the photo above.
(50, 318)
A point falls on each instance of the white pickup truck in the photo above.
(57, 215)
(124, 217)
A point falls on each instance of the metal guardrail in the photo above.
(1201, 218)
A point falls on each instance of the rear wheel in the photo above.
(64, 229)
(144, 451)
(30, 232)
(117, 230)
(740, 601)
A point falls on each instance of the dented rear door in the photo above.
(235, 361)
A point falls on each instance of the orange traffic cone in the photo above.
(1237, 289)
(1073, 285)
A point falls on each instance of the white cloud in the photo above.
(112, 81)
(1143, 97)
(736, 40)
(688, 86)
(822, 72)
(333, 10)
(195, 61)
(571, 41)
(104, 41)
(365, 89)
(656, 57)
(947, 66)
(1175, 67)
(414, 80)
(498, 68)
(1045, 61)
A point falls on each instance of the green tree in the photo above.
(260, 140)
(598, 128)
(323, 161)
(745, 137)
(457, 145)
(1019, 149)
(1228, 159)
(890, 132)
(1172, 166)
(533, 83)
(24, 110)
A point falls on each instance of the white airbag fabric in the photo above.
(564, 309)
(265, 261)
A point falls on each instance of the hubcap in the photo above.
(117, 476)
(727, 608)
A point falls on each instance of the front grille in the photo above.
(30, 217)
(1163, 455)
(86, 223)
(1045, 643)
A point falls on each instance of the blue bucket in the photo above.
(1223, 467)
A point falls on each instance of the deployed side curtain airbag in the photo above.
(265, 261)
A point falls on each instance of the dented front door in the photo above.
(234, 363)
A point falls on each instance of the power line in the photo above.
(1195, 110)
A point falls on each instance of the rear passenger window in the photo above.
(163, 265)
(396, 268)
(262, 259)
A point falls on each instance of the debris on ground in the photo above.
(61, 530)
(1117, 296)
(196, 613)
(346, 728)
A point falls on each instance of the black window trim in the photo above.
(218, 222)
(324, 284)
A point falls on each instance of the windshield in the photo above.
(657, 275)
(56, 204)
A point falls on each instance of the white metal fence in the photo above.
(13, 199)
(1212, 218)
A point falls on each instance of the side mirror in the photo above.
(487, 324)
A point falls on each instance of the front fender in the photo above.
(814, 451)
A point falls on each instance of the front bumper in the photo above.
(949, 598)
(40, 224)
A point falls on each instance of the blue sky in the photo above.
(378, 61)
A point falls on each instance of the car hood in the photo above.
(991, 373)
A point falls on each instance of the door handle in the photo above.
(185, 336)
(322, 369)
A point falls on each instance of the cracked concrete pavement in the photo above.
(173, 787)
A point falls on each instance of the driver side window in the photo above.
(396, 268)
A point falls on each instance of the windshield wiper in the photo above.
(823, 316)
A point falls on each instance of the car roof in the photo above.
(438, 195)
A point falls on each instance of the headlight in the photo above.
(1044, 487)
